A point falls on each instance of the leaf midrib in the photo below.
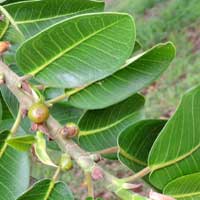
(132, 158)
(171, 162)
(126, 65)
(4, 29)
(186, 195)
(50, 18)
(90, 132)
(4, 147)
(50, 189)
(37, 70)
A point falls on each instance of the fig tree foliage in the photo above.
(71, 79)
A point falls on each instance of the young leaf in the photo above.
(22, 143)
(100, 128)
(40, 150)
(47, 189)
(34, 16)
(176, 151)
(136, 141)
(78, 51)
(139, 72)
(185, 187)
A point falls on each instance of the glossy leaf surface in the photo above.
(46, 189)
(34, 16)
(100, 128)
(14, 170)
(22, 143)
(184, 188)
(136, 141)
(79, 50)
(176, 151)
(64, 113)
(3, 27)
(139, 72)
(13, 106)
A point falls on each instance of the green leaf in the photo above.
(3, 27)
(14, 174)
(15, 38)
(79, 50)
(139, 72)
(5, 111)
(10, 100)
(13, 106)
(100, 128)
(136, 141)
(4, 2)
(1, 111)
(47, 189)
(176, 151)
(14, 170)
(185, 187)
(40, 150)
(22, 143)
(64, 113)
(53, 145)
(34, 16)
(3, 137)
(137, 47)
(5, 124)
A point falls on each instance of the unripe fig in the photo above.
(38, 113)
(70, 130)
(66, 162)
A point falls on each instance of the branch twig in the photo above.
(79, 155)
(88, 180)
(138, 175)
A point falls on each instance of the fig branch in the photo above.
(83, 159)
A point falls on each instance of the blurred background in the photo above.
(163, 20)
(156, 21)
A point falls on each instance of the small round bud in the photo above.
(38, 113)
(66, 162)
(4, 46)
(70, 130)
(97, 173)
